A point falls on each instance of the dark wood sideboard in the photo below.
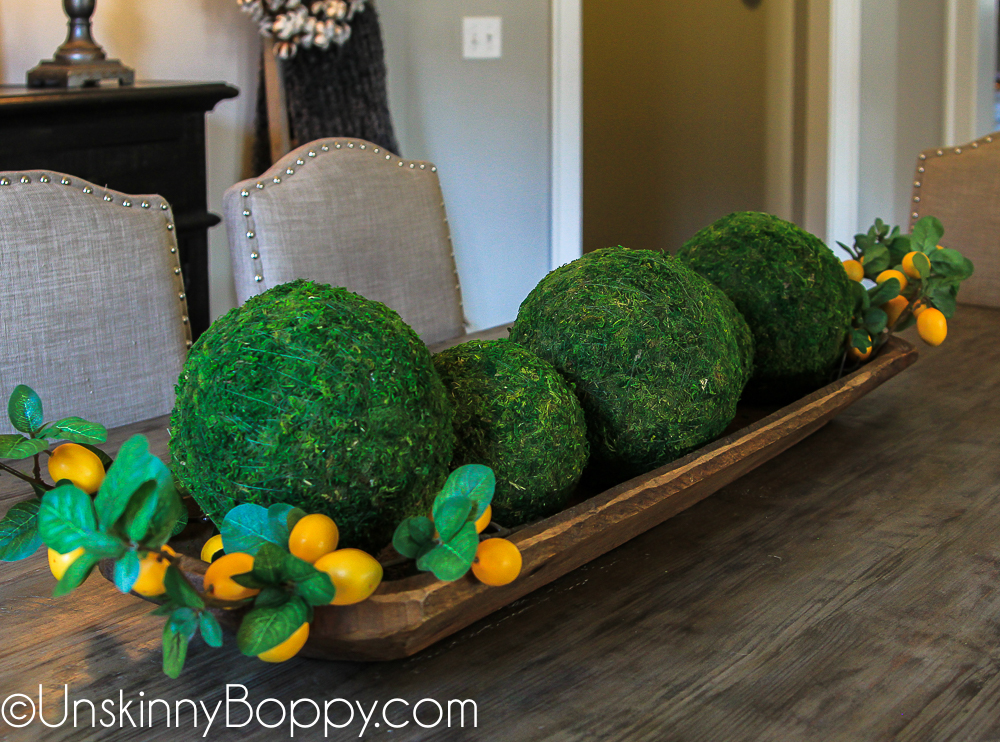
(139, 139)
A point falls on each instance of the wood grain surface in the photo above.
(846, 590)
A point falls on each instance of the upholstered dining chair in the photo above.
(93, 314)
(961, 187)
(349, 213)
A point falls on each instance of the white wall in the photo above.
(208, 40)
(902, 101)
(486, 125)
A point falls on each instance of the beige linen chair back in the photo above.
(349, 213)
(93, 314)
(961, 187)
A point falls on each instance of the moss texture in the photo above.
(652, 348)
(517, 415)
(319, 398)
(792, 291)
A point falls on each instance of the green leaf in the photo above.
(19, 536)
(139, 512)
(247, 579)
(246, 528)
(180, 590)
(316, 589)
(450, 561)
(78, 430)
(127, 571)
(16, 446)
(860, 340)
(65, 518)
(927, 233)
(875, 321)
(265, 628)
(272, 597)
(169, 515)
(475, 481)
(942, 296)
(182, 522)
(104, 545)
(211, 632)
(412, 535)
(450, 514)
(884, 292)
(269, 564)
(861, 301)
(165, 609)
(922, 264)
(77, 572)
(134, 467)
(184, 621)
(175, 644)
(951, 264)
(295, 569)
(278, 519)
(899, 247)
(876, 259)
(25, 409)
(294, 516)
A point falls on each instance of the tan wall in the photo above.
(674, 113)
(163, 40)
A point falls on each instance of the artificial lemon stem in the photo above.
(22, 476)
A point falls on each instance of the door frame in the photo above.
(843, 168)
(566, 209)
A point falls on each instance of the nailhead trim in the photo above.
(922, 157)
(126, 202)
(251, 232)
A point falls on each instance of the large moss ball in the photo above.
(517, 415)
(792, 291)
(319, 398)
(657, 355)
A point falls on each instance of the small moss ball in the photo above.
(652, 349)
(319, 398)
(792, 291)
(517, 415)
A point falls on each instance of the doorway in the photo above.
(674, 118)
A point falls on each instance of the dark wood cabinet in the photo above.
(145, 138)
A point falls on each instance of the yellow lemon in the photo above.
(353, 573)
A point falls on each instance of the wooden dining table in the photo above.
(847, 590)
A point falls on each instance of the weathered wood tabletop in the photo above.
(847, 590)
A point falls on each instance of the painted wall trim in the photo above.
(567, 131)
(970, 68)
(844, 148)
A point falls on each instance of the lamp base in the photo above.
(52, 74)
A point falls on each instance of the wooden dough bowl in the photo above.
(407, 615)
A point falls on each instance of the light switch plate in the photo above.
(481, 37)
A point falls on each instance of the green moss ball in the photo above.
(319, 398)
(792, 290)
(652, 349)
(517, 415)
